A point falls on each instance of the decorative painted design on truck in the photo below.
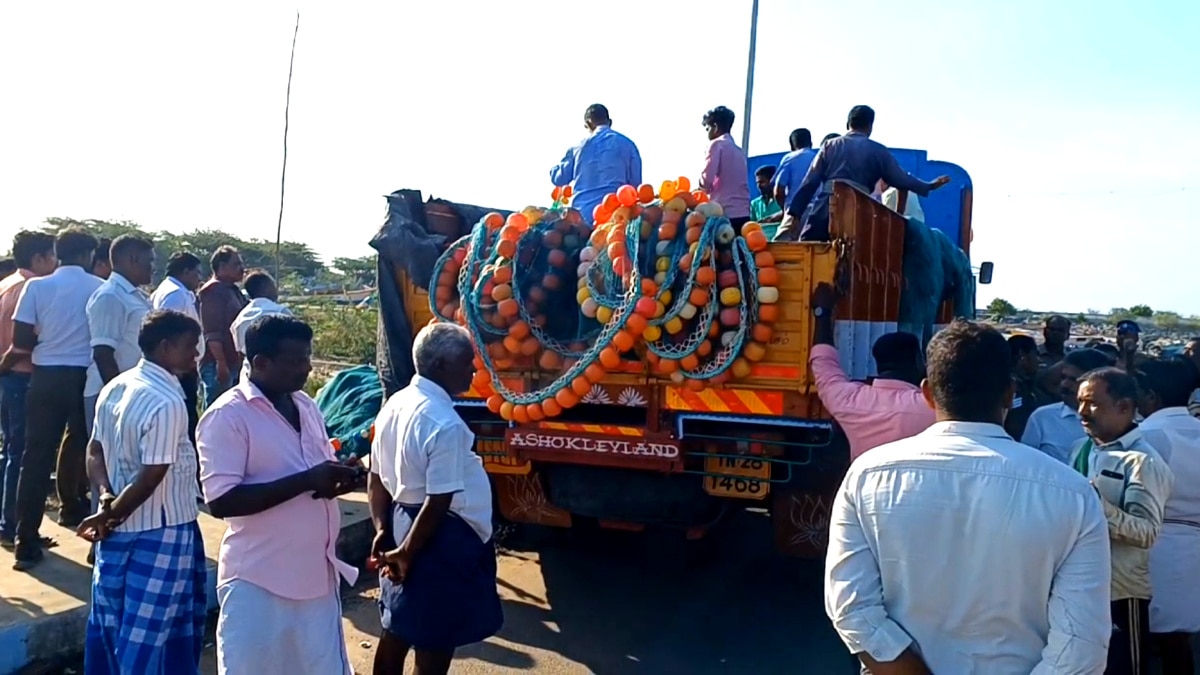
(631, 397)
(736, 401)
(597, 395)
(606, 429)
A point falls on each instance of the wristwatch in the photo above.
(818, 311)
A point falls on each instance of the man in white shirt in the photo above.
(1169, 428)
(960, 551)
(1133, 483)
(50, 324)
(1055, 429)
(177, 292)
(149, 602)
(429, 494)
(264, 301)
(114, 314)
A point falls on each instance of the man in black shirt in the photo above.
(1029, 397)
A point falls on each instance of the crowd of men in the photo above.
(1014, 507)
(101, 385)
(793, 199)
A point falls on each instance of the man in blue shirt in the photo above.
(852, 158)
(794, 165)
(603, 162)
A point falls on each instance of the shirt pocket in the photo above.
(1110, 482)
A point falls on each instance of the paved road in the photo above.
(615, 602)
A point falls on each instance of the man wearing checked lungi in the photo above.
(148, 582)
(430, 499)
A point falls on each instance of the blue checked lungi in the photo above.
(148, 603)
(449, 598)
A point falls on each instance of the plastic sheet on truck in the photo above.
(404, 242)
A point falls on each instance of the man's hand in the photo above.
(97, 526)
(378, 558)
(773, 218)
(398, 561)
(940, 181)
(824, 296)
(330, 479)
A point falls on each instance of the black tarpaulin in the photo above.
(404, 242)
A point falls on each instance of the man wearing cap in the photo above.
(1128, 340)
(603, 162)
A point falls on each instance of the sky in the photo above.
(1075, 119)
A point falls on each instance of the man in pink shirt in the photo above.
(268, 469)
(888, 409)
(33, 253)
(725, 176)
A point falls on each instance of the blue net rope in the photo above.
(615, 292)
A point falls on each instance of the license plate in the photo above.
(740, 477)
(495, 462)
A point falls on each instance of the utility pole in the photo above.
(750, 78)
(287, 108)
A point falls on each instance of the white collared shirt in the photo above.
(173, 295)
(1054, 429)
(1175, 599)
(141, 419)
(257, 308)
(114, 315)
(983, 556)
(56, 306)
(423, 447)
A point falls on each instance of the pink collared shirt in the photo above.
(287, 550)
(724, 177)
(870, 414)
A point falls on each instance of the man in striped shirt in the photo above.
(148, 586)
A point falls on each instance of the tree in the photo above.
(1168, 320)
(1119, 313)
(1001, 308)
(293, 256)
(357, 271)
(1080, 318)
(1141, 311)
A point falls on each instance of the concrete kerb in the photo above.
(43, 615)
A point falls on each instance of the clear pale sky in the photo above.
(1075, 119)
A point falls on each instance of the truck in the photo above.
(641, 450)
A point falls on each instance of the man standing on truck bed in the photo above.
(854, 158)
(888, 409)
(724, 172)
(794, 165)
(603, 162)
